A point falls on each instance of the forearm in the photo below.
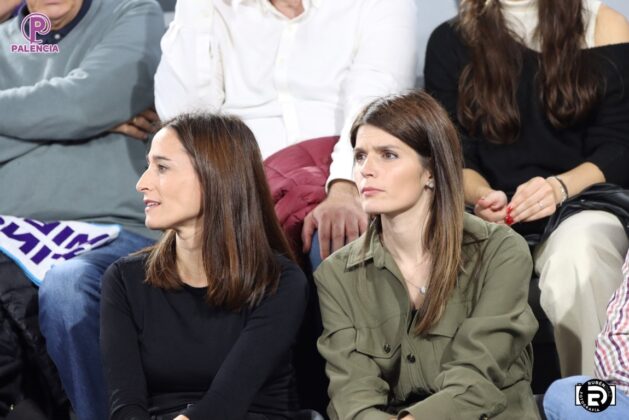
(111, 83)
(475, 186)
(579, 179)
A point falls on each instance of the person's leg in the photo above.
(315, 252)
(69, 309)
(559, 403)
(579, 268)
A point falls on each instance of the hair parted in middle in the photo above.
(567, 84)
(241, 233)
(418, 121)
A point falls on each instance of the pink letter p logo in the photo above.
(37, 24)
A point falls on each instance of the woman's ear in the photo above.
(430, 181)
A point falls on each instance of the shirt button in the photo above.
(483, 417)
(410, 358)
(57, 36)
(387, 348)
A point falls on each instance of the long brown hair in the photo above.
(241, 233)
(420, 122)
(567, 83)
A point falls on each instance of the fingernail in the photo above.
(509, 209)
(509, 220)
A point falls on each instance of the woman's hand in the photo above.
(492, 207)
(533, 200)
(181, 417)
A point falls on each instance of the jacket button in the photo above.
(410, 358)
(387, 348)
(483, 417)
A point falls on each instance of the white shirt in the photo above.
(288, 79)
(522, 16)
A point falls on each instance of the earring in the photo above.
(430, 185)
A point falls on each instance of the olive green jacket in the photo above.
(474, 363)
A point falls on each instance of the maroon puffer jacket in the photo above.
(297, 176)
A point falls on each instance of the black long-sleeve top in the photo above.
(541, 149)
(164, 349)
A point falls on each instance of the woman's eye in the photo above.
(161, 168)
(390, 155)
(359, 157)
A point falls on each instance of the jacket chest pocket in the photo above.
(382, 345)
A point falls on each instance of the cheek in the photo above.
(356, 173)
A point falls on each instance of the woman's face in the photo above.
(170, 185)
(389, 174)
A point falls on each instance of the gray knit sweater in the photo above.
(57, 160)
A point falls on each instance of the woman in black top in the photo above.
(540, 90)
(201, 325)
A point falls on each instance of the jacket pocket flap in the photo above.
(382, 341)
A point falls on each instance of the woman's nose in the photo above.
(142, 184)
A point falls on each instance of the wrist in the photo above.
(342, 187)
(560, 190)
(482, 192)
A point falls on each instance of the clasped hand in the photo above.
(535, 199)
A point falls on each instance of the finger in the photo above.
(527, 190)
(536, 201)
(530, 207)
(324, 233)
(150, 115)
(338, 234)
(132, 131)
(143, 124)
(310, 225)
(363, 223)
(352, 230)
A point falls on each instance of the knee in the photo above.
(69, 285)
(561, 392)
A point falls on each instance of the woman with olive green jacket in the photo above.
(426, 315)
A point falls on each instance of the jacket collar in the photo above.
(475, 230)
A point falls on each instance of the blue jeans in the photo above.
(315, 253)
(559, 403)
(69, 317)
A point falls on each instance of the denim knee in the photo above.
(68, 287)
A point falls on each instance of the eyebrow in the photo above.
(158, 158)
(379, 148)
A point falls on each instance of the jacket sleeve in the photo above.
(113, 82)
(489, 341)
(356, 388)
(384, 63)
(190, 74)
(441, 76)
(122, 362)
(270, 332)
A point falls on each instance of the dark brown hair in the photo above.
(420, 122)
(241, 233)
(567, 83)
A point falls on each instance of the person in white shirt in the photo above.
(293, 70)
